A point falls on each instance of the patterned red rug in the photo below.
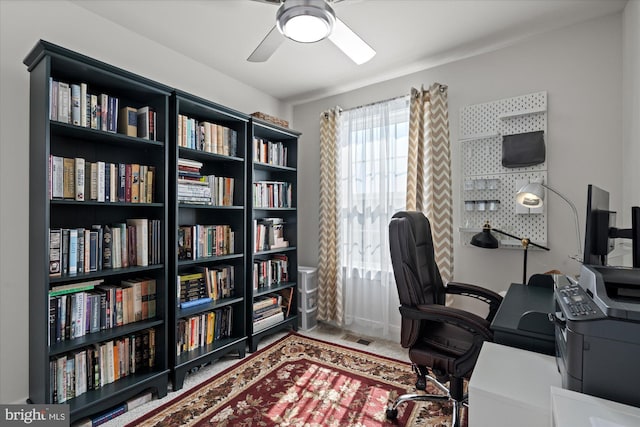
(299, 381)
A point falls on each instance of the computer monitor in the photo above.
(601, 229)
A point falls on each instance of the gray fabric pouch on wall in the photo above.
(523, 149)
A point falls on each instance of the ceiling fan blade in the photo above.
(350, 43)
(267, 46)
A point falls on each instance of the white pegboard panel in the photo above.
(481, 130)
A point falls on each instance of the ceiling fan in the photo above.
(309, 21)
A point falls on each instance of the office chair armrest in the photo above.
(453, 316)
(485, 295)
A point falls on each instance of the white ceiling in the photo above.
(408, 35)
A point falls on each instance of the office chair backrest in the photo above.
(414, 267)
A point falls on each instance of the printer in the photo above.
(597, 332)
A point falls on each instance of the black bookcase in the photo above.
(272, 172)
(48, 63)
(225, 160)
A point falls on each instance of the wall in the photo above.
(580, 67)
(630, 110)
(70, 26)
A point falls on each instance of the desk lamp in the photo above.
(485, 239)
(532, 196)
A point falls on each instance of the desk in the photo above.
(511, 387)
(522, 321)
(569, 409)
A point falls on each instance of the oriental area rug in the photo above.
(300, 381)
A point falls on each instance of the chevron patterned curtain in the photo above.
(429, 169)
(329, 270)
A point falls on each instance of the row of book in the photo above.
(204, 329)
(271, 309)
(272, 194)
(88, 307)
(73, 374)
(205, 285)
(269, 272)
(115, 411)
(82, 180)
(269, 234)
(201, 241)
(206, 136)
(273, 153)
(195, 188)
(72, 103)
(136, 242)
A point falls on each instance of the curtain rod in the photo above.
(378, 102)
(442, 89)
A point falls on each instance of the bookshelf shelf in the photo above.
(58, 348)
(125, 388)
(52, 67)
(273, 288)
(212, 157)
(203, 354)
(268, 167)
(272, 147)
(197, 206)
(76, 132)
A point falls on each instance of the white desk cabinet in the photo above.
(572, 409)
(511, 387)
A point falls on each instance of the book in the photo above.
(267, 322)
(74, 287)
(142, 239)
(64, 102)
(94, 181)
(53, 99)
(73, 251)
(107, 247)
(139, 400)
(93, 119)
(55, 252)
(128, 121)
(80, 250)
(75, 104)
(68, 178)
(85, 106)
(65, 252)
(143, 122)
(79, 173)
(57, 179)
(100, 182)
(135, 183)
(192, 303)
(103, 100)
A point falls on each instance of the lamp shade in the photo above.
(531, 195)
(485, 239)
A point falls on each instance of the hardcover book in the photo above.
(128, 121)
(75, 104)
(69, 179)
(80, 169)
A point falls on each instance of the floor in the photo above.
(323, 332)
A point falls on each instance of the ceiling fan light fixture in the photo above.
(305, 21)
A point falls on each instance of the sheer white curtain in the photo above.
(373, 178)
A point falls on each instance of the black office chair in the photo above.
(443, 340)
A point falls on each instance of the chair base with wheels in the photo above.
(421, 384)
